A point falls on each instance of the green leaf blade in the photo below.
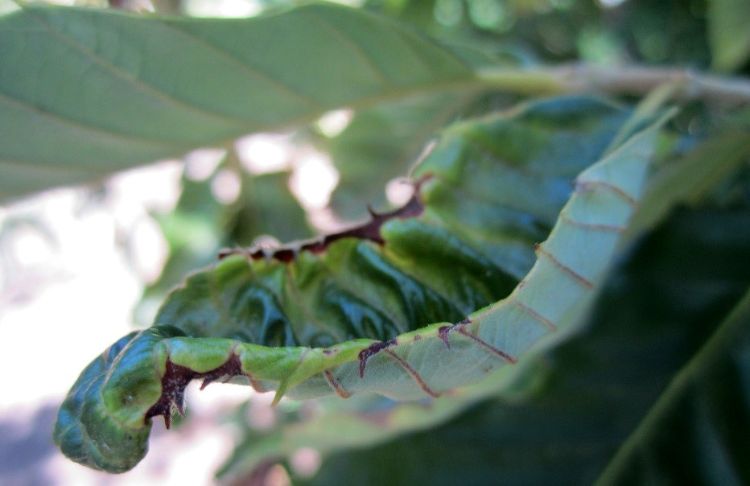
(97, 91)
(103, 426)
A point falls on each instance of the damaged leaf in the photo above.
(415, 303)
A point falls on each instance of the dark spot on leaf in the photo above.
(367, 231)
(443, 331)
(443, 335)
(372, 350)
(284, 254)
(177, 377)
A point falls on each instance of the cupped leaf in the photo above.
(110, 439)
(403, 305)
(93, 91)
(656, 312)
(717, 277)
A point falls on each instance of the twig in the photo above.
(634, 80)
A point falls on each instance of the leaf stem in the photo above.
(632, 80)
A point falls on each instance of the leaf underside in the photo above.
(658, 309)
(96, 91)
(408, 305)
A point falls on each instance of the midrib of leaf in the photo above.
(78, 125)
(720, 348)
(392, 92)
(462, 85)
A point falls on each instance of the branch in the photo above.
(632, 80)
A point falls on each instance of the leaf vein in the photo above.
(67, 121)
(355, 48)
(248, 69)
(118, 72)
(413, 373)
(577, 277)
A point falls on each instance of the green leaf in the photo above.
(728, 33)
(94, 91)
(387, 312)
(656, 312)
